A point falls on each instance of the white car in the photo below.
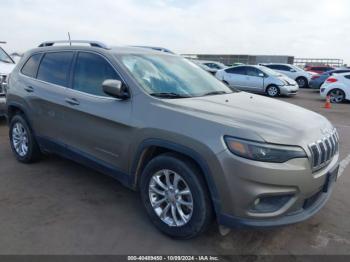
(337, 87)
(6, 66)
(299, 75)
(210, 66)
(258, 79)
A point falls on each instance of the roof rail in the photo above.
(91, 43)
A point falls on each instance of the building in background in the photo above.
(257, 59)
(334, 62)
(244, 59)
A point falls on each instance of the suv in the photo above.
(194, 148)
(299, 75)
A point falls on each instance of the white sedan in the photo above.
(337, 87)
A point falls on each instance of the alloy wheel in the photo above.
(272, 91)
(171, 198)
(336, 96)
(20, 139)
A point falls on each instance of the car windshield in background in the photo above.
(4, 57)
(269, 71)
(172, 76)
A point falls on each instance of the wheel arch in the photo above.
(150, 148)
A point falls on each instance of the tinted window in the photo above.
(54, 68)
(252, 71)
(347, 76)
(340, 71)
(90, 72)
(31, 66)
(239, 70)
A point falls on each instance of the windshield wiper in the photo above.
(215, 93)
(5, 61)
(170, 95)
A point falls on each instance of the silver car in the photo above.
(258, 79)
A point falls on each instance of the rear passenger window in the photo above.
(90, 72)
(31, 66)
(239, 70)
(54, 68)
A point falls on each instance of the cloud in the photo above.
(300, 28)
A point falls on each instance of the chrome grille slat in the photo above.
(323, 150)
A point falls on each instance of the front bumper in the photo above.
(307, 192)
(289, 90)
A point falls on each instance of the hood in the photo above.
(6, 68)
(272, 120)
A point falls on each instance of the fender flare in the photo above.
(213, 191)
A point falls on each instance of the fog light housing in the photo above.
(269, 204)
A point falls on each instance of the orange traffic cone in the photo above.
(328, 104)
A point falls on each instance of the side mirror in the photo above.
(115, 88)
(292, 70)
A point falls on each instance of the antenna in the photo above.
(70, 41)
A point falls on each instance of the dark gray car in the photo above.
(317, 80)
(194, 148)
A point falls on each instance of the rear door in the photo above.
(98, 126)
(45, 88)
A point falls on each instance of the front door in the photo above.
(97, 125)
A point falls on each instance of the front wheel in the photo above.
(273, 91)
(302, 82)
(336, 96)
(175, 196)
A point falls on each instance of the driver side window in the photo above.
(90, 72)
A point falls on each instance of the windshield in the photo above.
(165, 74)
(4, 57)
(269, 71)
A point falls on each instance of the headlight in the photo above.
(262, 151)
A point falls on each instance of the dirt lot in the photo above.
(59, 207)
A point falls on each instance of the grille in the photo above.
(2, 81)
(323, 150)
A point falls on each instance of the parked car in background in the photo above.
(318, 69)
(337, 87)
(258, 79)
(318, 79)
(194, 149)
(299, 75)
(210, 66)
(6, 66)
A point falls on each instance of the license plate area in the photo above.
(331, 178)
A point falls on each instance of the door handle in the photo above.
(72, 101)
(29, 89)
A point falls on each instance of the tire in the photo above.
(195, 220)
(302, 82)
(22, 140)
(336, 95)
(272, 91)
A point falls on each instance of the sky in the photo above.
(301, 28)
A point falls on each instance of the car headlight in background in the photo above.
(263, 152)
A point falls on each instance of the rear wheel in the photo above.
(273, 91)
(175, 196)
(336, 96)
(302, 82)
(22, 140)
